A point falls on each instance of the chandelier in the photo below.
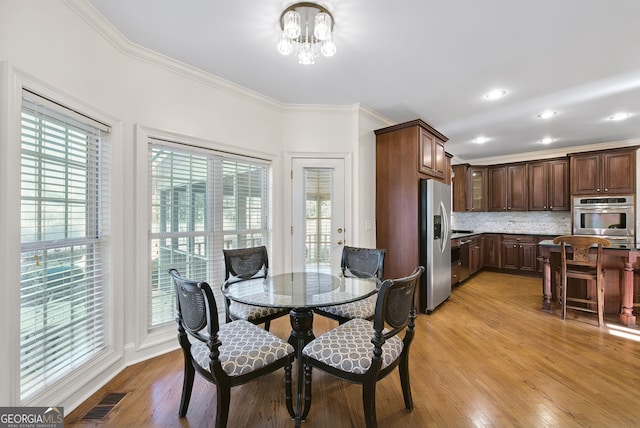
(306, 29)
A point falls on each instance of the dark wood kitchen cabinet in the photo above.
(519, 253)
(459, 188)
(447, 168)
(433, 161)
(478, 186)
(469, 187)
(611, 172)
(548, 185)
(492, 243)
(403, 157)
(508, 187)
(476, 254)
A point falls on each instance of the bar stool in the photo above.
(582, 265)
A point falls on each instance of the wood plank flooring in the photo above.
(488, 357)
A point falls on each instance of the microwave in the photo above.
(611, 217)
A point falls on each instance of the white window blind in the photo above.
(65, 197)
(201, 201)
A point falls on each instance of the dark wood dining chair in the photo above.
(242, 264)
(373, 348)
(360, 263)
(582, 265)
(226, 355)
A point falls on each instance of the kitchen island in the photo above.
(618, 262)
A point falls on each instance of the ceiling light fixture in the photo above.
(619, 116)
(495, 94)
(547, 140)
(307, 29)
(481, 140)
(547, 114)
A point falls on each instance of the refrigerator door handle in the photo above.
(445, 221)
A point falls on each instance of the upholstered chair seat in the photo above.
(348, 347)
(242, 264)
(359, 263)
(364, 352)
(226, 355)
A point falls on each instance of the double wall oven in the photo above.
(612, 217)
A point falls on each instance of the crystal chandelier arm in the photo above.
(307, 4)
(308, 41)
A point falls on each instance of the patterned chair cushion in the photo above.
(245, 348)
(248, 312)
(364, 308)
(348, 347)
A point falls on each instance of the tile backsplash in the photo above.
(531, 222)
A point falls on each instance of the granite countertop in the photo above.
(464, 234)
(459, 234)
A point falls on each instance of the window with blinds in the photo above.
(65, 164)
(201, 202)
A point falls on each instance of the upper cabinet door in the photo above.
(477, 188)
(611, 172)
(432, 157)
(517, 187)
(497, 188)
(538, 186)
(585, 174)
(459, 188)
(558, 185)
(548, 185)
(619, 172)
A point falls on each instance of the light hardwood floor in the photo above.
(488, 357)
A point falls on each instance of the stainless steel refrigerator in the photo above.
(435, 243)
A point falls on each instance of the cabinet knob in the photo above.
(515, 245)
(509, 208)
(550, 208)
(597, 190)
(545, 207)
(606, 190)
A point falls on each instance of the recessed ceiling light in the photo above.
(547, 114)
(619, 116)
(481, 140)
(547, 140)
(495, 94)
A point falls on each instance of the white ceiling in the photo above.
(427, 59)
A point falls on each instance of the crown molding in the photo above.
(104, 28)
(99, 23)
(547, 154)
(375, 116)
(348, 110)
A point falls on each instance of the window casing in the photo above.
(201, 202)
(65, 199)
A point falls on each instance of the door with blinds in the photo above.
(318, 217)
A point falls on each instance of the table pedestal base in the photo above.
(301, 335)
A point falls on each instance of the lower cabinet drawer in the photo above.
(455, 273)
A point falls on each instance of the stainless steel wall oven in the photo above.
(611, 217)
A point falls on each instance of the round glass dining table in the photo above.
(300, 292)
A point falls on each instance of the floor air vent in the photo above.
(100, 410)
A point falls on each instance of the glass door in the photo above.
(318, 233)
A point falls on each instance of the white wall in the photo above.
(67, 48)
